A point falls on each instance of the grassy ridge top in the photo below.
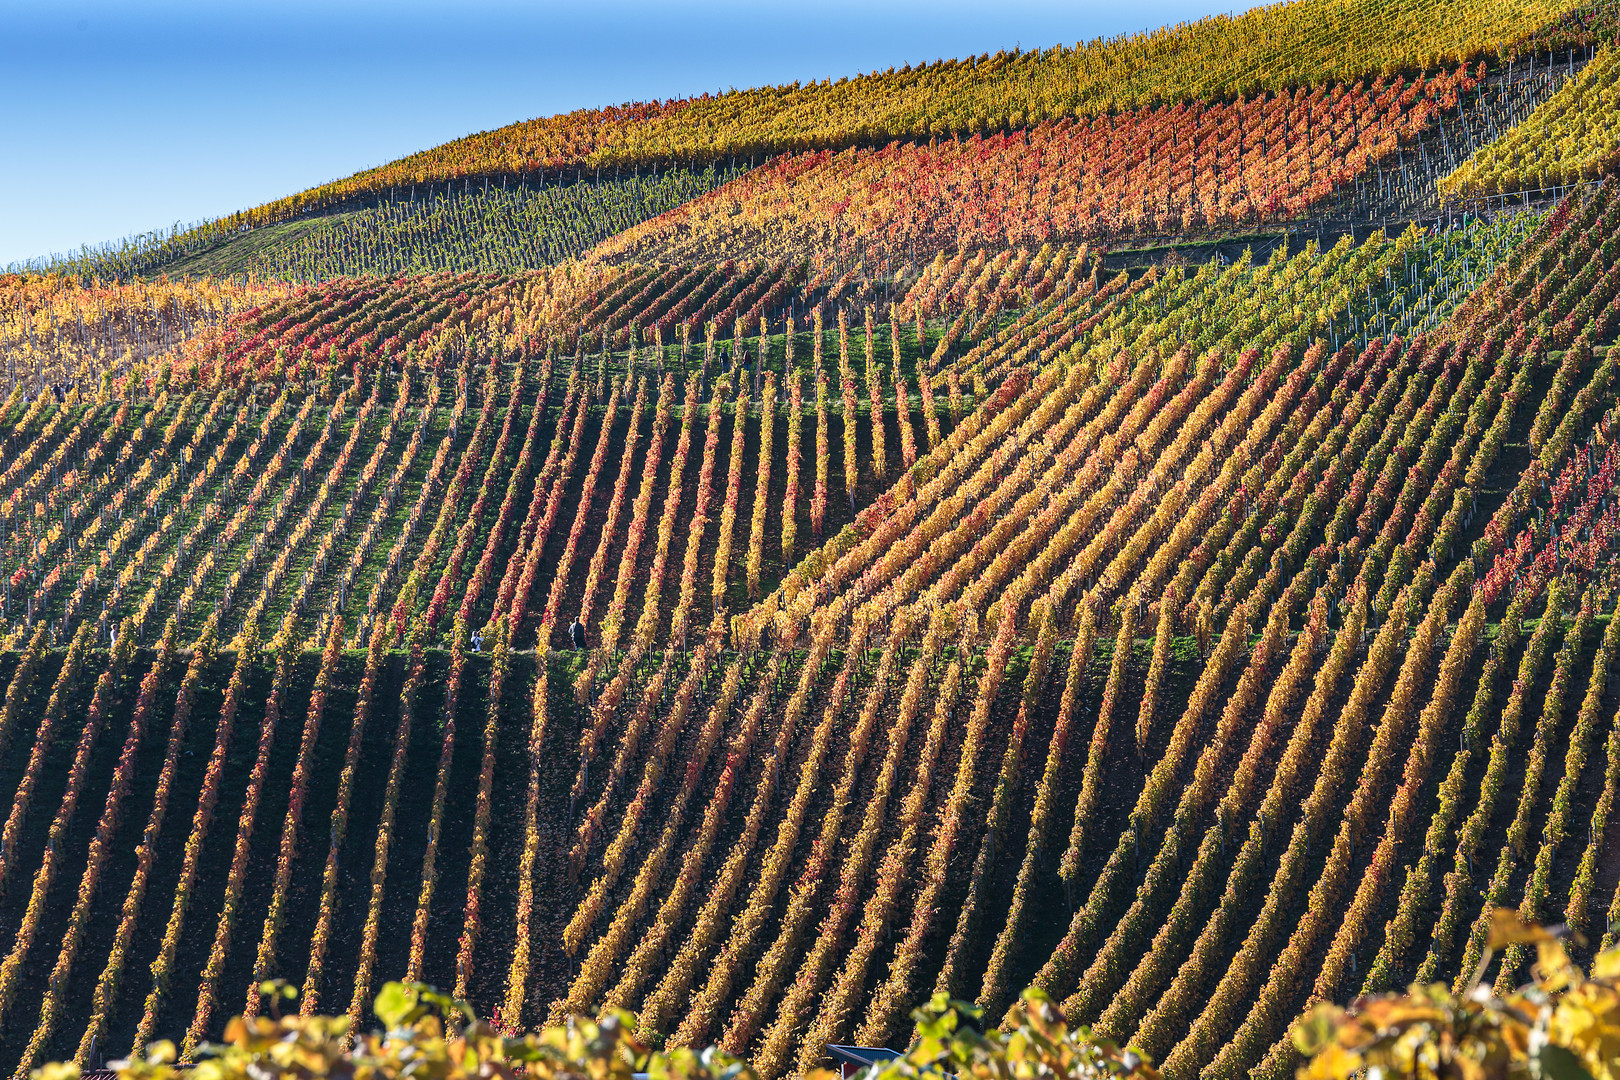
(1267, 48)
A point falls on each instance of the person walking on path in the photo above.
(576, 632)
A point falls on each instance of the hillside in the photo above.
(1152, 539)
(1306, 83)
(1302, 43)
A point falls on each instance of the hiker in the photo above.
(477, 641)
(576, 633)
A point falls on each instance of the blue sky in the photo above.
(122, 117)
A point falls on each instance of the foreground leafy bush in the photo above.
(1563, 1025)
(429, 1036)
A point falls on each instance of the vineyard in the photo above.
(1161, 171)
(1138, 520)
(1271, 48)
(1571, 140)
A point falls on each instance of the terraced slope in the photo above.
(1197, 630)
